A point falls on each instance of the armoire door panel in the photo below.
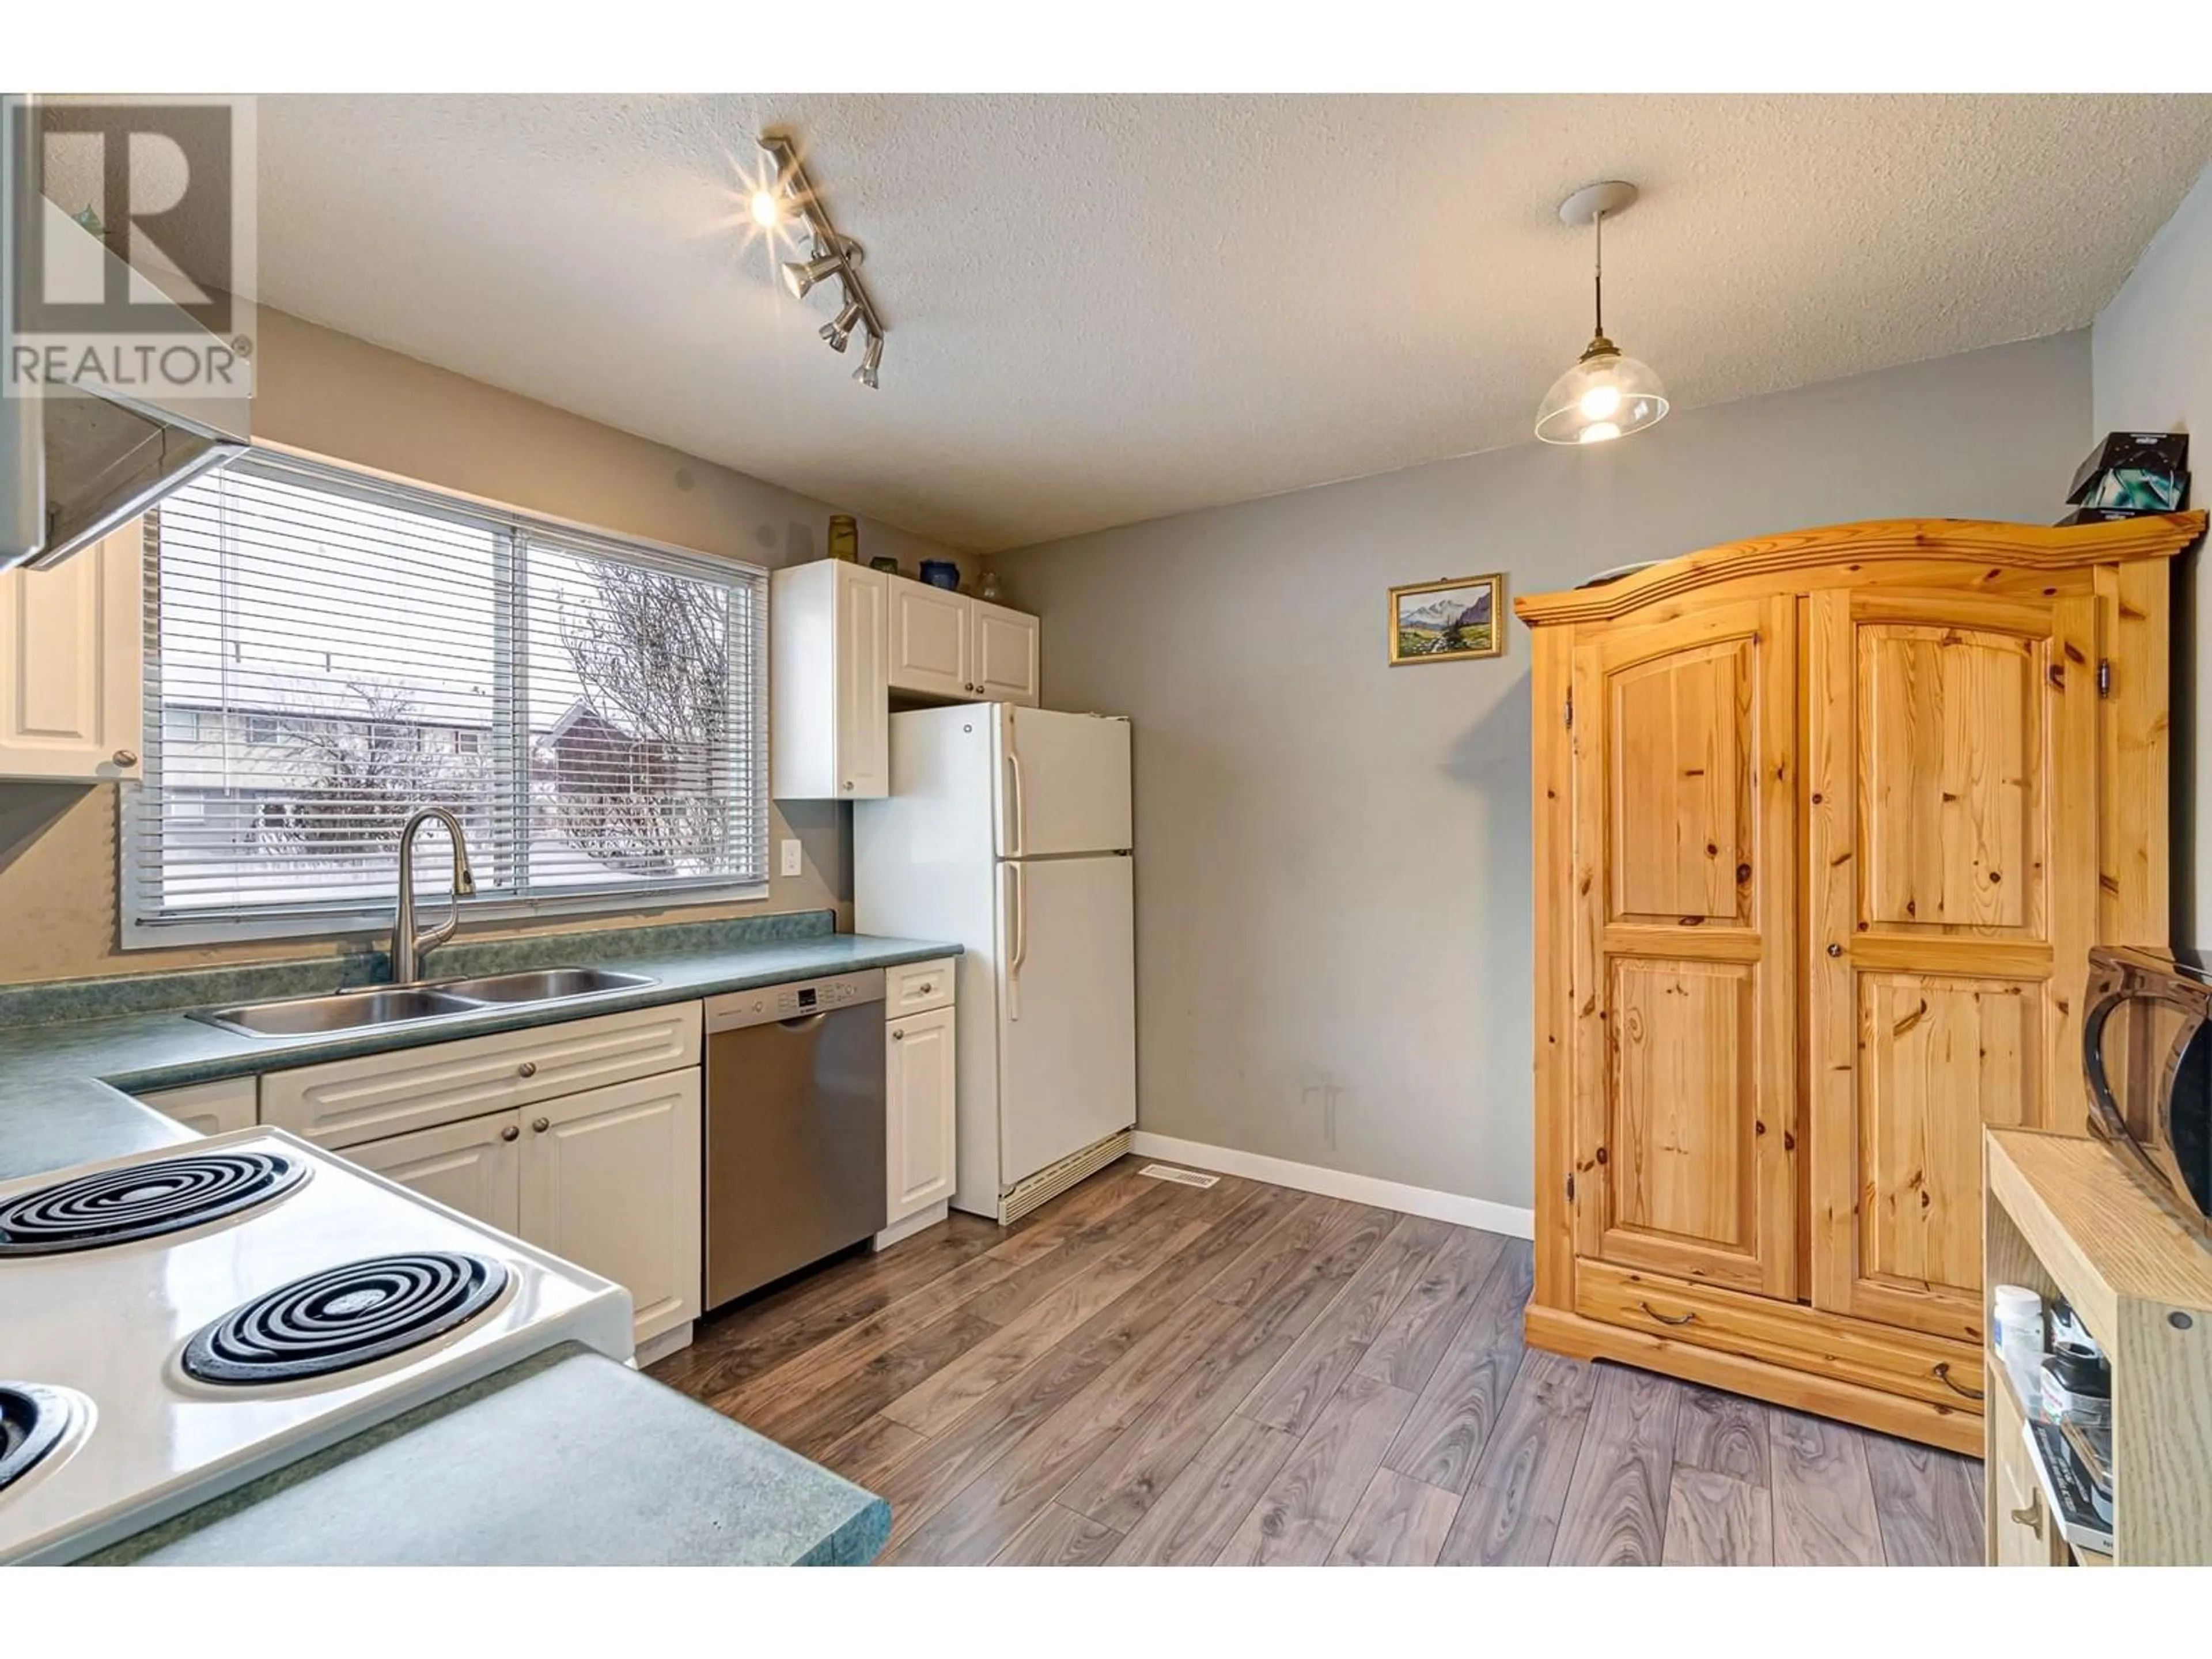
(1939, 1060)
(1953, 758)
(1680, 798)
(1684, 1054)
(1684, 1109)
(1951, 786)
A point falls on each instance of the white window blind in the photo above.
(325, 653)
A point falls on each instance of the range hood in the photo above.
(84, 458)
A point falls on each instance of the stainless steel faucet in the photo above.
(408, 945)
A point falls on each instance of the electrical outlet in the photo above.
(793, 862)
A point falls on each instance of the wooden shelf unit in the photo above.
(2063, 1217)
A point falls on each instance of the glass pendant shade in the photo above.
(1603, 396)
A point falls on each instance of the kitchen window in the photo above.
(326, 652)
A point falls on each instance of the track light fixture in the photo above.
(792, 196)
(839, 332)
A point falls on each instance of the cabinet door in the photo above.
(1005, 654)
(610, 1182)
(864, 762)
(69, 651)
(920, 1080)
(1685, 1045)
(473, 1167)
(213, 1108)
(1952, 805)
(929, 640)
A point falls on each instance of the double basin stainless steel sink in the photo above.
(397, 1004)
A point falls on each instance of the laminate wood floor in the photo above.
(1146, 1372)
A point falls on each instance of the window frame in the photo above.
(138, 928)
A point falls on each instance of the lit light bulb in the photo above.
(1601, 432)
(1600, 403)
(767, 209)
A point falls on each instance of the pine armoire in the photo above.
(1825, 824)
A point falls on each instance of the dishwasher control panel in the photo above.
(736, 1009)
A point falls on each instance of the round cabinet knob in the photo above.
(540, 1125)
(898, 1037)
(528, 1068)
(1835, 949)
(126, 757)
(848, 785)
(510, 1132)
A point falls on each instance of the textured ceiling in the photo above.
(1106, 309)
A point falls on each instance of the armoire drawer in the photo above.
(346, 1102)
(1782, 1334)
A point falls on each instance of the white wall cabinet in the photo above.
(931, 652)
(1005, 653)
(231, 1102)
(610, 1182)
(829, 691)
(843, 639)
(920, 1086)
(946, 645)
(69, 655)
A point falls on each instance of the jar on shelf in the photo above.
(844, 537)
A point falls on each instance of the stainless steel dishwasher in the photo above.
(794, 1155)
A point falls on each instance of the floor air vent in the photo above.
(1187, 1177)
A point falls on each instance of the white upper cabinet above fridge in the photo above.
(930, 647)
(944, 645)
(843, 639)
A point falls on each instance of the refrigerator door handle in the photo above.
(1016, 827)
(1018, 933)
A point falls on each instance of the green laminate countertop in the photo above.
(568, 1457)
(68, 1067)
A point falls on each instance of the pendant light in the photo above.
(1607, 394)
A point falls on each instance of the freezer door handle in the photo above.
(1015, 881)
(1016, 827)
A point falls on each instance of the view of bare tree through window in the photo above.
(358, 768)
(331, 655)
(632, 777)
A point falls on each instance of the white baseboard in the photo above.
(1481, 1212)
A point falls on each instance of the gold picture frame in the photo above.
(1446, 629)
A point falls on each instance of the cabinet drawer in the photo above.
(349, 1101)
(1782, 1334)
(917, 988)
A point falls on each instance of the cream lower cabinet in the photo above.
(473, 1167)
(231, 1102)
(581, 1138)
(610, 1182)
(608, 1179)
(920, 1096)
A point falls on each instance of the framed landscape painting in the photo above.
(1448, 620)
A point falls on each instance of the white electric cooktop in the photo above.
(175, 1324)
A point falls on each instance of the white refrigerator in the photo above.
(1007, 830)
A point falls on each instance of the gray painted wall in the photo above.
(2152, 354)
(1332, 855)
